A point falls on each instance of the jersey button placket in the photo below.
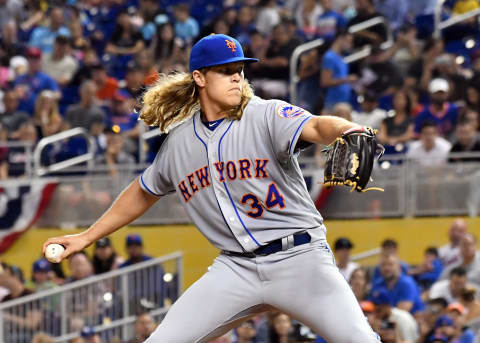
(225, 203)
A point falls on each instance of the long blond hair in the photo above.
(174, 98)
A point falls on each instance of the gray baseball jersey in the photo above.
(242, 186)
(241, 183)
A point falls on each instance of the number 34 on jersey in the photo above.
(242, 169)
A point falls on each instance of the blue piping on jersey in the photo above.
(206, 150)
(228, 192)
(146, 187)
(295, 134)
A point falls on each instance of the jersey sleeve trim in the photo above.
(145, 187)
(296, 135)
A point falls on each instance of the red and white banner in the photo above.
(21, 204)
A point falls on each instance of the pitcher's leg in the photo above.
(310, 288)
(226, 291)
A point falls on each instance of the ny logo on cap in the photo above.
(231, 45)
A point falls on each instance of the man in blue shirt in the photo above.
(29, 85)
(334, 77)
(329, 22)
(44, 37)
(147, 284)
(401, 288)
(440, 111)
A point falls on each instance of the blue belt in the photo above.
(272, 247)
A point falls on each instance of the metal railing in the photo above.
(44, 142)
(356, 56)
(410, 190)
(108, 302)
(28, 158)
(442, 25)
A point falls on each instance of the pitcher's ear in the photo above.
(199, 78)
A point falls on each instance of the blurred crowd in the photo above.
(437, 300)
(88, 305)
(86, 63)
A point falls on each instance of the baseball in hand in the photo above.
(53, 252)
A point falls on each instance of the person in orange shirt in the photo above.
(107, 86)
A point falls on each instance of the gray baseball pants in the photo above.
(302, 282)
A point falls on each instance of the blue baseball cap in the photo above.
(41, 265)
(216, 49)
(437, 338)
(87, 331)
(380, 296)
(134, 239)
(444, 320)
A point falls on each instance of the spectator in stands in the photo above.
(388, 247)
(12, 118)
(450, 252)
(429, 270)
(59, 64)
(335, 78)
(463, 333)
(440, 111)
(186, 27)
(41, 276)
(245, 24)
(275, 64)
(435, 308)
(17, 156)
(406, 48)
(134, 248)
(379, 74)
(125, 42)
(395, 12)
(371, 115)
(268, 16)
(122, 117)
(42, 338)
(470, 260)
(359, 283)
(469, 300)
(281, 325)
(146, 63)
(105, 258)
(431, 150)
(329, 22)
(166, 49)
(398, 129)
(374, 35)
(9, 43)
(43, 37)
(419, 72)
(28, 86)
(342, 110)
(472, 98)
(246, 332)
(80, 267)
(10, 9)
(306, 16)
(450, 289)
(401, 288)
(114, 153)
(106, 86)
(134, 81)
(466, 140)
(144, 326)
(46, 118)
(81, 114)
(342, 249)
(89, 335)
(404, 321)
